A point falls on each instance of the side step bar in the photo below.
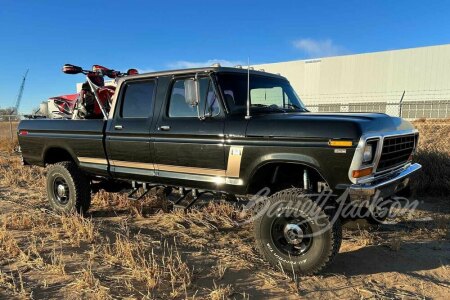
(189, 196)
(135, 188)
(195, 195)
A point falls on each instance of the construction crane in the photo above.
(19, 96)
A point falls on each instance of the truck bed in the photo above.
(39, 140)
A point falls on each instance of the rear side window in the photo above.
(138, 99)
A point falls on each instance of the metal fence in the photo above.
(410, 104)
(436, 109)
(8, 125)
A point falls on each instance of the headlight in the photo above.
(367, 155)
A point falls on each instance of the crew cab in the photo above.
(230, 131)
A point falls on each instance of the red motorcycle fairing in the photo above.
(70, 100)
(105, 95)
(106, 92)
(96, 79)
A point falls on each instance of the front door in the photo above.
(190, 150)
(128, 140)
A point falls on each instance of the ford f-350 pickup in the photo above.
(235, 132)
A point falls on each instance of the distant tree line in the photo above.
(7, 111)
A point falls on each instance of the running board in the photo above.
(184, 193)
(136, 187)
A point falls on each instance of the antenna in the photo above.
(248, 89)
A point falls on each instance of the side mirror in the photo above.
(71, 69)
(191, 92)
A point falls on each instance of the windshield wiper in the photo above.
(272, 107)
(295, 107)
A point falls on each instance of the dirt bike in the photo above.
(94, 99)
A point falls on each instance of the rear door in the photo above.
(128, 141)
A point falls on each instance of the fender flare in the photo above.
(59, 148)
(299, 159)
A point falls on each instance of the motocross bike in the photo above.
(94, 99)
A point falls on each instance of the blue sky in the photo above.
(155, 35)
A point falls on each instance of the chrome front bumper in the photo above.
(387, 185)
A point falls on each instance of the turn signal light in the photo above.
(362, 172)
(340, 143)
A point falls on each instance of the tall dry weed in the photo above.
(434, 155)
(158, 271)
(78, 229)
(13, 173)
(9, 247)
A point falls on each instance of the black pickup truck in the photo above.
(230, 131)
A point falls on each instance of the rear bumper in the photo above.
(386, 186)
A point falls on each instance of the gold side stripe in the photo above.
(131, 164)
(190, 170)
(233, 167)
(91, 160)
(150, 166)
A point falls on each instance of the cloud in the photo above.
(318, 48)
(141, 71)
(183, 64)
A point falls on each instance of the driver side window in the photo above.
(208, 104)
(178, 105)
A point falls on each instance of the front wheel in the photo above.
(68, 189)
(294, 232)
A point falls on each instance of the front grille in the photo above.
(396, 151)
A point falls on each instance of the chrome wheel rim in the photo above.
(61, 190)
(291, 236)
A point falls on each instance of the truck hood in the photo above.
(323, 125)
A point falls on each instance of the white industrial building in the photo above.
(374, 81)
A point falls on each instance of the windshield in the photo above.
(266, 93)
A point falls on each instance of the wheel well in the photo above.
(282, 175)
(54, 155)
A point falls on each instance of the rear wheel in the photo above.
(68, 189)
(297, 234)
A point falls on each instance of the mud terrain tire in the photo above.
(279, 241)
(68, 189)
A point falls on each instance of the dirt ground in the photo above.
(125, 250)
(128, 250)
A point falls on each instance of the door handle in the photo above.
(164, 128)
(118, 127)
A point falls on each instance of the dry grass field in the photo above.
(127, 250)
(5, 129)
(434, 155)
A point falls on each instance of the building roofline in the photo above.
(354, 54)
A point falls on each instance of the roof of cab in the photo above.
(200, 70)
